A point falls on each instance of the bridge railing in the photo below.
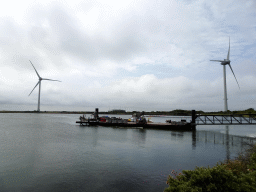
(231, 119)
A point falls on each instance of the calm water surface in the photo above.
(49, 152)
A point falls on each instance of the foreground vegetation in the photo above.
(231, 175)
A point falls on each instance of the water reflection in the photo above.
(177, 135)
(220, 138)
(94, 136)
(231, 142)
(139, 136)
(227, 143)
(194, 140)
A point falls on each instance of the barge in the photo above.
(139, 122)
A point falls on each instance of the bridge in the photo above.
(227, 119)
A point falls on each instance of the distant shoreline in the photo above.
(177, 112)
(102, 112)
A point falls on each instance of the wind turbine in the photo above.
(224, 63)
(39, 82)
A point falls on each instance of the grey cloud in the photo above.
(172, 39)
(118, 46)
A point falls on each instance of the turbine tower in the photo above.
(39, 82)
(224, 63)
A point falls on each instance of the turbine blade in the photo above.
(234, 75)
(34, 88)
(50, 79)
(217, 60)
(35, 70)
(228, 50)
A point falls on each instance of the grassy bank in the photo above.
(231, 175)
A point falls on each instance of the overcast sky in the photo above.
(135, 55)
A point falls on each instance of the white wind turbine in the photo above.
(224, 63)
(39, 82)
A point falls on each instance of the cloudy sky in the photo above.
(135, 55)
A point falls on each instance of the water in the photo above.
(49, 152)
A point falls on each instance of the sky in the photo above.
(147, 55)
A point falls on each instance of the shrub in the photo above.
(204, 179)
(248, 182)
(236, 175)
(236, 166)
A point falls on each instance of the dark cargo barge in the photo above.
(162, 126)
(139, 122)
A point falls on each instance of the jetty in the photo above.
(139, 121)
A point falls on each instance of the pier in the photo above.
(139, 122)
(196, 119)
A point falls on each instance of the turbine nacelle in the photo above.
(225, 62)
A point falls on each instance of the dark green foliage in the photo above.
(204, 179)
(237, 175)
(252, 166)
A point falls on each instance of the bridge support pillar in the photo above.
(193, 122)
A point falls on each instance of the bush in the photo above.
(236, 166)
(237, 175)
(204, 179)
